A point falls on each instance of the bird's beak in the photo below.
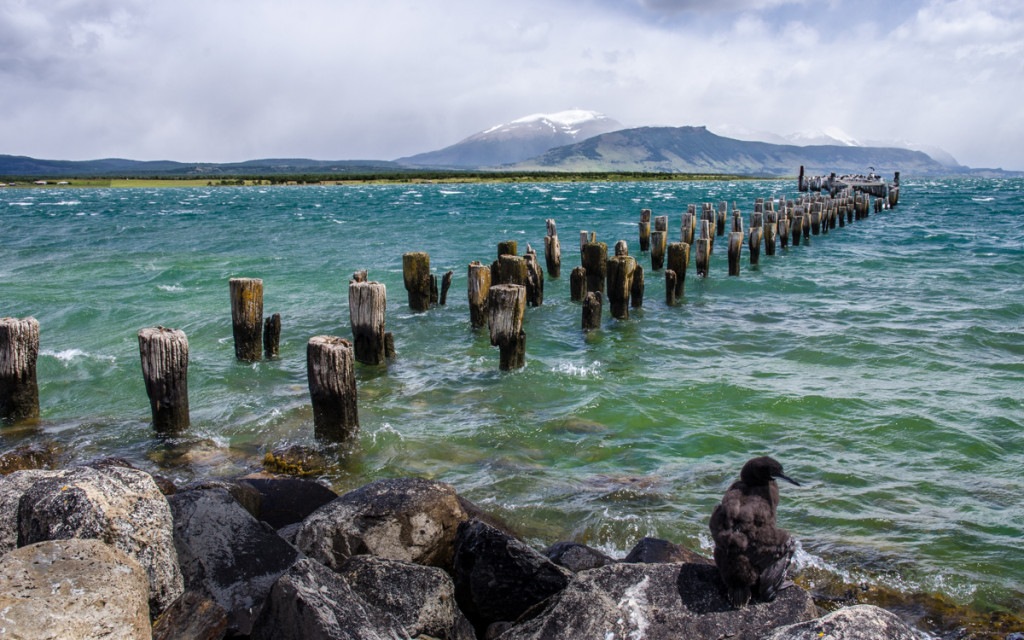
(788, 479)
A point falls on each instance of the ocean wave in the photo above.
(67, 355)
(570, 369)
(984, 199)
(173, 288)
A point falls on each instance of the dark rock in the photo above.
(289, 531)
(849, 623)
(497, 577)
(120, 506)
(289, 500)
(311, 602)
(193, 616)
(296, 460)
(407, 519)
(244, 493)
(110, 461)
(227, 554)
(577, 557)
(421, 598)
(656, 601)
(38, 455)
(658, 551)
(496, 629)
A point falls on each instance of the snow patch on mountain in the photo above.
(567, 122)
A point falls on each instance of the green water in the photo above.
(882, 364)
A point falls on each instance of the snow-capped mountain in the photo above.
(816, 137)
(518, 140)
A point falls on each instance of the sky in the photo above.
(227, 80)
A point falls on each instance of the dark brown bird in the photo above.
(751, 552)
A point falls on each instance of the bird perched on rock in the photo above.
(751, 552)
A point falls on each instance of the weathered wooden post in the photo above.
(509, 269)
(592, 311)
(735, 244)
(678, 261)
(595, 261)
(479, 284)
(552, 251)
(670, 287)
(737, 221)
(815, 218)
(636, 292)
(703, 256)
(621, 248)
(708, 218)
(584, 239)
(645, 229)
(659, 238)
(19, 350)
(534, 279)
(247, 317)
(783, 228)
(723, 213)
(330, 370)
(446, 283)
(367, 302)
(506, 306)
(433, 290)
(508, 248)
(272, 336)
(796, 225)
(770, 231)
(806, 225)
(620, 282)
(686, 230)
(754, 243)
(578, 284)
(416, 273)
(164, 354)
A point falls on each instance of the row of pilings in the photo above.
(498, 295)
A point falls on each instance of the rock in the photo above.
(296, 460)
(227, 554)
(81, 589)
(38, 455)
(474, 512)
(193, 616)
(244, 493)
(497, 577)
(577, 557)
(407, 519)
(849, 623)
(421, 598)
(289, 531)
(12, 487)
(311, 602)
(658, 551)
(289, 500)
(120, 506)
(657, 601)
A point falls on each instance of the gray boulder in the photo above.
(656, 601)
(849, 623)
(119, 506)
(421, 598)
(227, 554)
(407, 519)
(12, 487)
(82, 589)
(497, 577)
(243, 493)
(577, 557)
(193, 616)
(312, 602)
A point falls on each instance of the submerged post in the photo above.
(578, 284)
(506, 306)
(479, 284)
(645, 229)
(670, 287)
(164, 354)
(330, 369)
(19, 350)
(552, 251)
(272, 336)
(620, 282)
(416, 274)
(595, 261)
(592, 311)
(247, 317)
(367, 302)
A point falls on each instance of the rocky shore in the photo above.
(109, 551)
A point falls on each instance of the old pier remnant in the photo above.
(670, 287)
(645, 229)
(478, 286)
(678, 261)
(416, 274)
(272, 336)
(330, 368)
(592, 311)
(620, 282)
(578, 284)
(367, 302)
(247, 317)
(735, 244)
(164, 354)
(19, 350)
(636, 291)
(595, 261)
(534, 279)
(506, 307)
(552, 250)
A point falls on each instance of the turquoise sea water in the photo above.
(882, 364)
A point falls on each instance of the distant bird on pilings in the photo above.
(752, 554)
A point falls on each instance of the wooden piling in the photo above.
(783, 229)
(806, 225)
(164, 354)
(735, 245)
(272, 336)
(330, 370)
(754, 244)
(737, 221)
(645, 229)
(723, 214)
(595, 261)
(679, 261)
(621, 248)
(534, 279)
(552, 251)
(508, 248)
(578, 284)
(796, 226)
(815, 218)
(619, 283)
(686, 230)
(670, 287)
(506, 306)
(478, 285)
(19, 351)
(446, 283)
(770, 232)
(416, 274)
(434, 297)
(247, 317)
(703, 256)
(509, 269)
(592, 311)
(636, 292)
(367, 302)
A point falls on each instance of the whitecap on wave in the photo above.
(173, 288)
(570, 369)
(983, 199)
(67, 355)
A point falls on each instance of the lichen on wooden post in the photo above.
(164, 354)
(416, 275)
(478, 286)
(247, 317)
(592, 311)
(272, 336)
(508, 248)
(578, 284)
(552, 251)
(506, 307)
(509, 269)
(636, 291)
(367, 303)
(330, 369)
(19, 351)
(620, 282)
(645, 229)
(595, 261)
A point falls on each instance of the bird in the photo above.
(751, 552)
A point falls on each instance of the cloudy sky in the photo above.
(226, 80)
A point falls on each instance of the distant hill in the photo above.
(517, 140)
(118, 167)
(697, 150)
